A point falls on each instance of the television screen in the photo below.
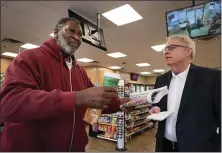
(89, 35)
(196, 21)
(134, 76)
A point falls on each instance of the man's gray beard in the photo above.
(64, 45)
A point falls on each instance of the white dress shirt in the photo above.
(173, 103)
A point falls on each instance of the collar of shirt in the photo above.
(183, 75)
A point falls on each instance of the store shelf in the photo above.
(102, 137)
(133, 118)
(138, 130)
(142, 106)
(134, 114)
(112, 124)
(109, 115)
(146, 121)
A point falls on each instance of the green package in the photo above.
(111, 79)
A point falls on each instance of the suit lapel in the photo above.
(166, 82)
(169, 79)
(188, 87)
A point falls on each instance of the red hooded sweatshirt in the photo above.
(37, 106)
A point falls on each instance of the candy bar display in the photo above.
(146, 97)
(119, 128)
(107, 123)
(108, 119)
(136, 121)
(140, 111)
(111, 126)
(135, 102)
(138, 129)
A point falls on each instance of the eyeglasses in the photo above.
(170, 48)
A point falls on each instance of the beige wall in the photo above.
(96, 74)
(4, 64)
(150, 80)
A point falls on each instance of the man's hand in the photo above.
(123, 101)
(96, 97)
(154, 110)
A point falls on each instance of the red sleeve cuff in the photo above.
(67, 101)
(113, 107)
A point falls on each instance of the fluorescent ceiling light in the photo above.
(9, 54)
(142, 64)
(115, 67)
(116, 55)
(145, 73)
(29, 46)
(52, 34)
(122, 15)
(158, 48)
(85, 60)
(159, 70)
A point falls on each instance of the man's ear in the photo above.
(56, 33)
(189, 52)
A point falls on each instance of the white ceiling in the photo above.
(33, 21)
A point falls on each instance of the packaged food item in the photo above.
(108, 135)
(114, 121)
(114, 129)
(115, 135)
(100, 127)
(109, 129)
(140, 98)
(92, 115)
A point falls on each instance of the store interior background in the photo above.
(33, 21)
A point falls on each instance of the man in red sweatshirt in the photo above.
(45, 95)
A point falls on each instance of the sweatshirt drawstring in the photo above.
(63, 82)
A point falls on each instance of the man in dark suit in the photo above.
(194, 97)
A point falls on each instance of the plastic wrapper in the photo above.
(92, 115)
(147, 97)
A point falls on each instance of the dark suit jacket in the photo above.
(199, 113)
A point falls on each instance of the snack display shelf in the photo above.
(107, 124)
(146, 121)
(149, 126)
(139, 113)
(112, 124)
(103, 137)
(109, 115)
(143, 106)
(135, 122)
(135, 119)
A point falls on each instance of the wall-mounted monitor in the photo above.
(134, 76)
(197, 21)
